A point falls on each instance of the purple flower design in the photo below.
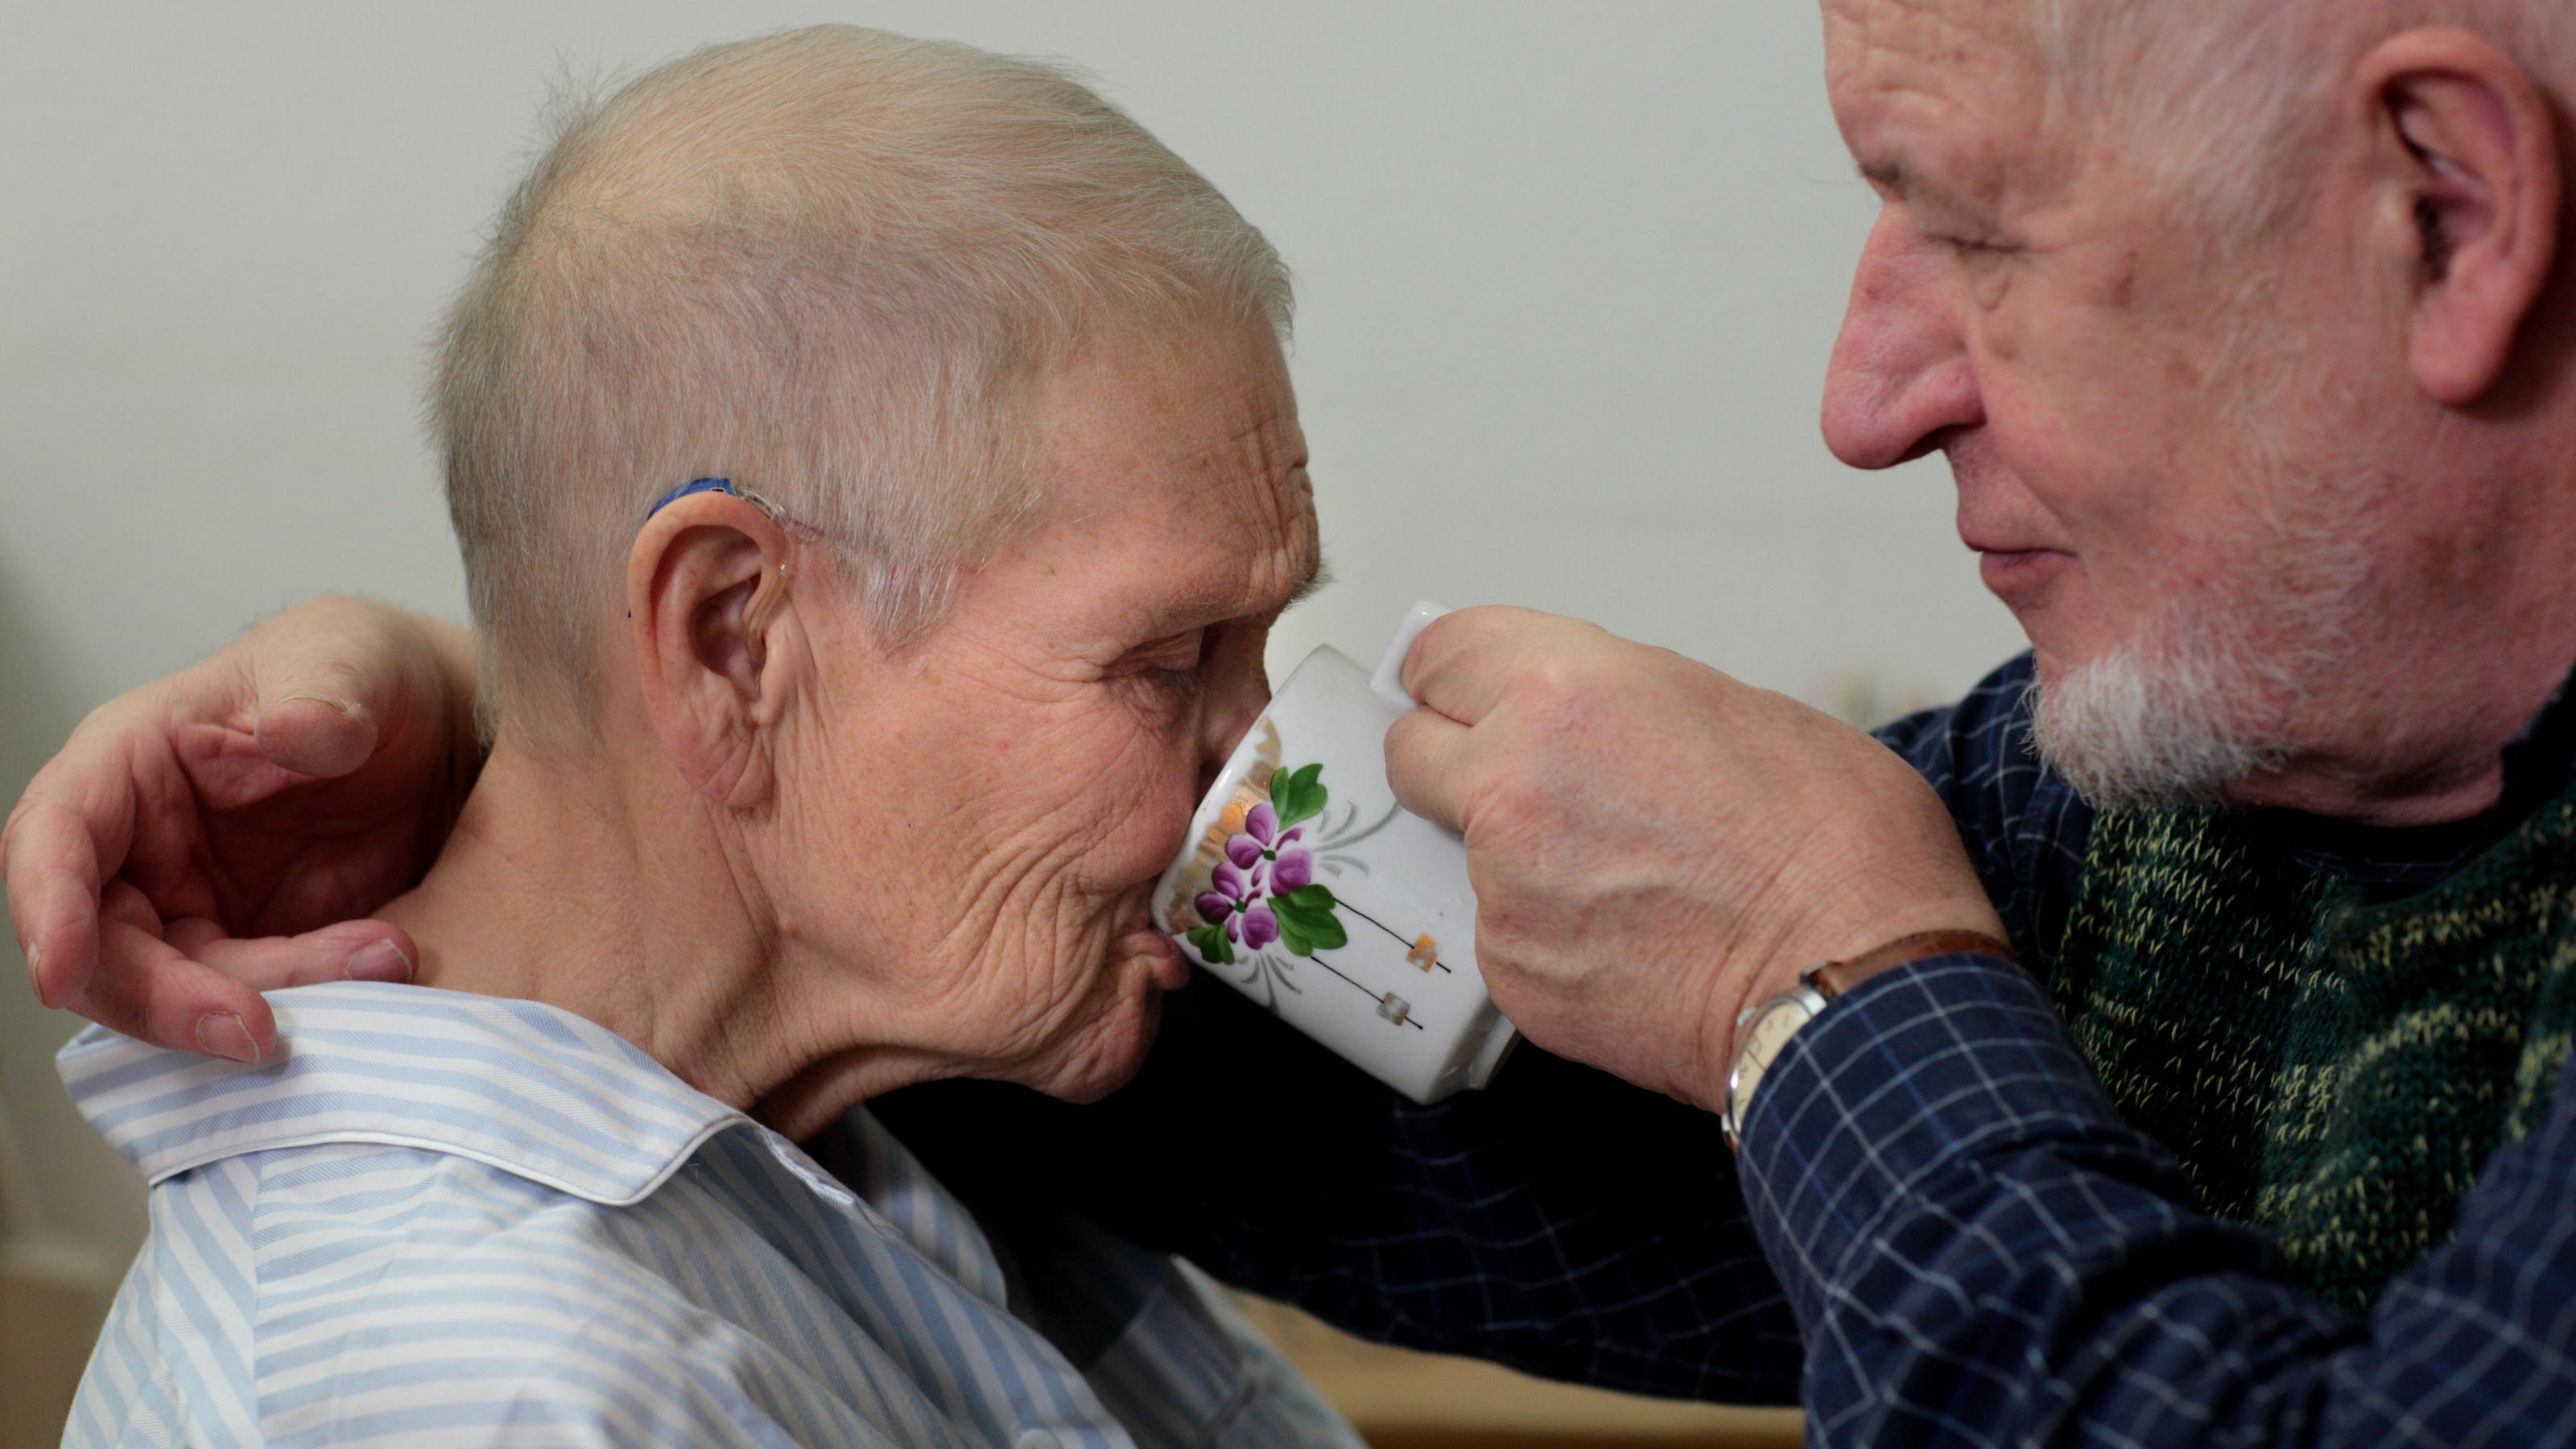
(1262, 842)
(1233, 904)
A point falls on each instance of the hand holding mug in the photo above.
(1654, 846)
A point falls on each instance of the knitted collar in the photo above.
(2538, 765)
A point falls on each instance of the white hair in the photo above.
(2226, 93)
(821, 263)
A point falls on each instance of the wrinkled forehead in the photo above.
(1187, 452)
(1233, 525)
(1918, 42)
(1947, 88)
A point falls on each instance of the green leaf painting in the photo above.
(1298, 796)
(1306, 921)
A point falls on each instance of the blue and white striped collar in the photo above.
(531, 1089)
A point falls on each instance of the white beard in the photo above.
(2211, 697)
(2134, 731)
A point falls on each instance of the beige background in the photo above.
(1568, 277)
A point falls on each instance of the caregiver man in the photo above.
(2245, 327)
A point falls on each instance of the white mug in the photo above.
(1306, 887)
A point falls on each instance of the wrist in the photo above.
(1848, 934)
(1909, 936)
(1764, 1029)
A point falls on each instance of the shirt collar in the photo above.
(531, 1089)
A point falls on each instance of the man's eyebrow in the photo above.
(1227, 603)
(1884, 172)
(1316, 575)
(1892, 174)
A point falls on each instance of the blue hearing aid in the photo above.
(726, 486)
(702, 485)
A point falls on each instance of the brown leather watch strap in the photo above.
(1835, 978)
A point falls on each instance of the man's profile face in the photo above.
(2137, 467)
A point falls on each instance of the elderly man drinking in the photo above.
(783, 807)
(2167, 1043)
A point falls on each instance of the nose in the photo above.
(1901, 374)
(1234, 701)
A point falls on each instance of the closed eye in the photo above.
(1171, 665)
(1172, 652)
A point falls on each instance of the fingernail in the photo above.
(380, 961)
(333, 701)
(36, 973)
(222, 1034)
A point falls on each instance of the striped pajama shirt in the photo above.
(435, 1217)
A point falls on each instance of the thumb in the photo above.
(346, 951)
(317, 723)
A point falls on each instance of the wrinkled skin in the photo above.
(977, 820)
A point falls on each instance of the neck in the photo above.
(2460, 629)
(659, 933)
(2419, 725)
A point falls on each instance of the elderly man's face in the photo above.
(984, 813)
(2151, 490)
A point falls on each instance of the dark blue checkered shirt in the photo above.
(1975, 1248)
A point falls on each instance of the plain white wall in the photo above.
(1568, 276)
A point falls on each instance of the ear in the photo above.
(2471, 155)
(708, 596)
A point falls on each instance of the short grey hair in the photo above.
(821, 263)
(2225, 95)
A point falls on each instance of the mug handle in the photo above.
(1388, 682)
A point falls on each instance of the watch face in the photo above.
(1764, 1036)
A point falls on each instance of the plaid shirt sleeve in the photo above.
(2024, 827)
(1979, 1251)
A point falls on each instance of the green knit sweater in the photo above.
(2331, 1070)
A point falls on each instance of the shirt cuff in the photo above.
(1925, 1071)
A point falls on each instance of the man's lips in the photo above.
(1159, 951)
(2019, 576)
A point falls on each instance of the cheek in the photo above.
(1148, 806)
(2109, 458)
(1121, 788)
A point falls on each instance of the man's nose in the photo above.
(1234, 703)
(1900, 374)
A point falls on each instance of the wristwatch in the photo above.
(1763, 1030)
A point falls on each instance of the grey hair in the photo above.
(822, 263)
(2226, 94)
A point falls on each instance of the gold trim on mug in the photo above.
(1182, 909)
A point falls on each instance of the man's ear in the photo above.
(2471, 152)
(707, 590)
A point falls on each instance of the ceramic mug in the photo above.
(1307, 888)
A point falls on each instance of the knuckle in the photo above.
(25, 819)
(1398, 748)
(1557, 695)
